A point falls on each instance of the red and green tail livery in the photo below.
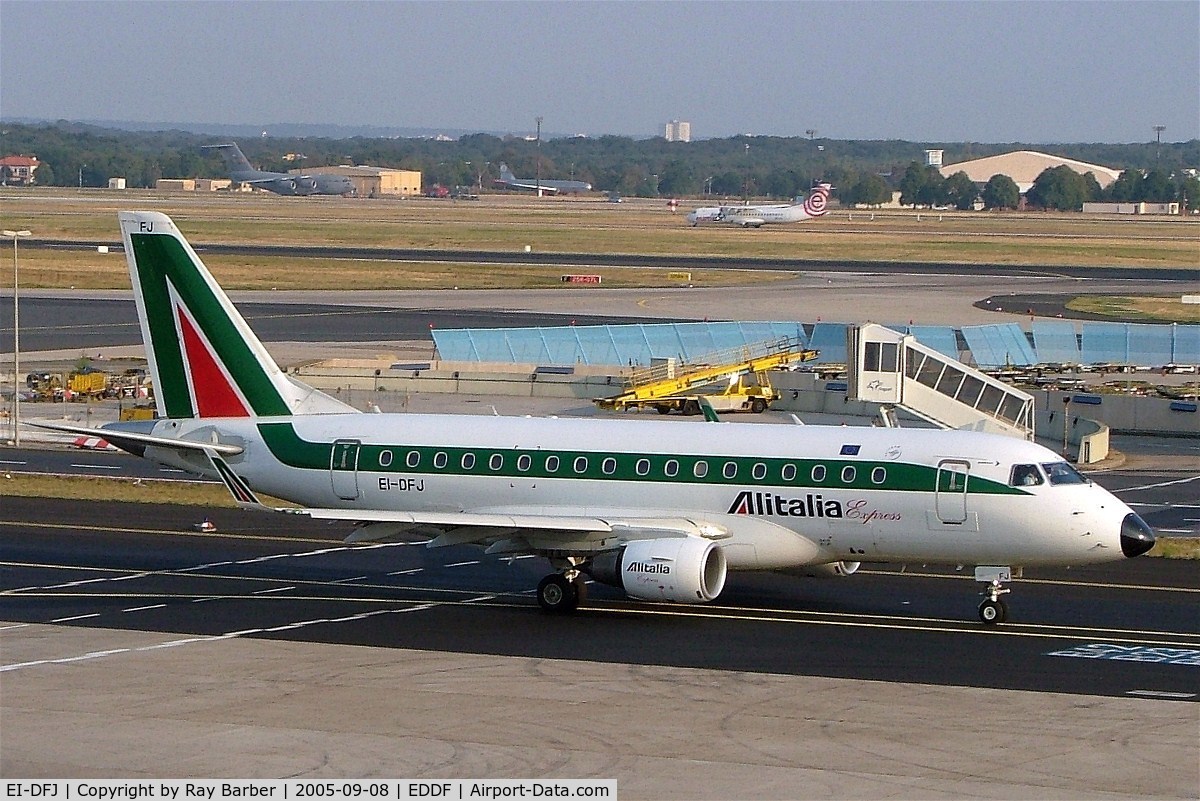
(203, 357)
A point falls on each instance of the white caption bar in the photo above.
(281, 790)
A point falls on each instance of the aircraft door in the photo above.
(343, 468)
(951, 497)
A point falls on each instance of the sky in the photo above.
(970, 70)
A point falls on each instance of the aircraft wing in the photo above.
(513, 531)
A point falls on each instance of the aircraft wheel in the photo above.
(993, 612)
(663, 408)
(556, 594)
(758, 405)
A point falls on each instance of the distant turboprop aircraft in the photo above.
(281, 183)
(757, 216)
(546, 185)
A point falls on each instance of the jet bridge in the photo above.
(895, 369)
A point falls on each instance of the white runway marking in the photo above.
(1161, 694)
(1160, 484)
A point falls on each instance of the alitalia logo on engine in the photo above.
(647, 567)
(767, 503)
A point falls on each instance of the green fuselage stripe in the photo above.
(293, 451)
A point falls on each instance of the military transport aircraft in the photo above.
(281, 183)
(545, 185)
(660, 509)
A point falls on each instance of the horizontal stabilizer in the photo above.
(134, 442)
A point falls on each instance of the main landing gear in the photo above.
(563, 592)
(993, 610)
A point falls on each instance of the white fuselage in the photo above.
(784, 496)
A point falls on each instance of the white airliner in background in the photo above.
(815, 205)
(660, 509)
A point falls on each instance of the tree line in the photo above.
(862, 171)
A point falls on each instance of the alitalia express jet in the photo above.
(663, 510)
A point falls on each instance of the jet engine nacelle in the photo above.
(830, 570)
(686, 570)
(305, 185)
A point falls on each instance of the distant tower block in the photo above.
(678, 131)
(933, 158)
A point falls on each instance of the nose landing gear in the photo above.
(993, 610)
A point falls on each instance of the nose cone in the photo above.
(1136, 536)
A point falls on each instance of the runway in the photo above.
(1111, 630)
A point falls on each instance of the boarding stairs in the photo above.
(894, 369)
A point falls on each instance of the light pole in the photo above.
(1158, 129)
(539, 156)
(16, 407)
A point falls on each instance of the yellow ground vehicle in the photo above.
(90, 384)
(737, 379)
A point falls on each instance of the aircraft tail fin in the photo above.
(203, 358)
(506, 173)
(818, 200)
(234, 160)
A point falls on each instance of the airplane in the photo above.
(547, 186)
(281, 183)
(757, 216)
(662, 510)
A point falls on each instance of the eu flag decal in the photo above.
(850, 450)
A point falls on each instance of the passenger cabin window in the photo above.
(642, 467)
(385, 458)
(700, 469)
(671, 468)
(848, 473)
(759, 472)
(524, 462)
(468, 461)
(730, 470)
(609, 466)
(497, 461)
(879, 475)
(413, 459)
(789, 472)
(580, 464)
(1025, 475)
(818, 472)
(440, 459)
(551, 464)
(1063, 473)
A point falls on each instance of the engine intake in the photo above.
(680, 569)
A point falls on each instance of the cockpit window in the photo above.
(1025, 475)
(1063, 473)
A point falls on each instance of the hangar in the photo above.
(374, 181)
(1024, 166)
